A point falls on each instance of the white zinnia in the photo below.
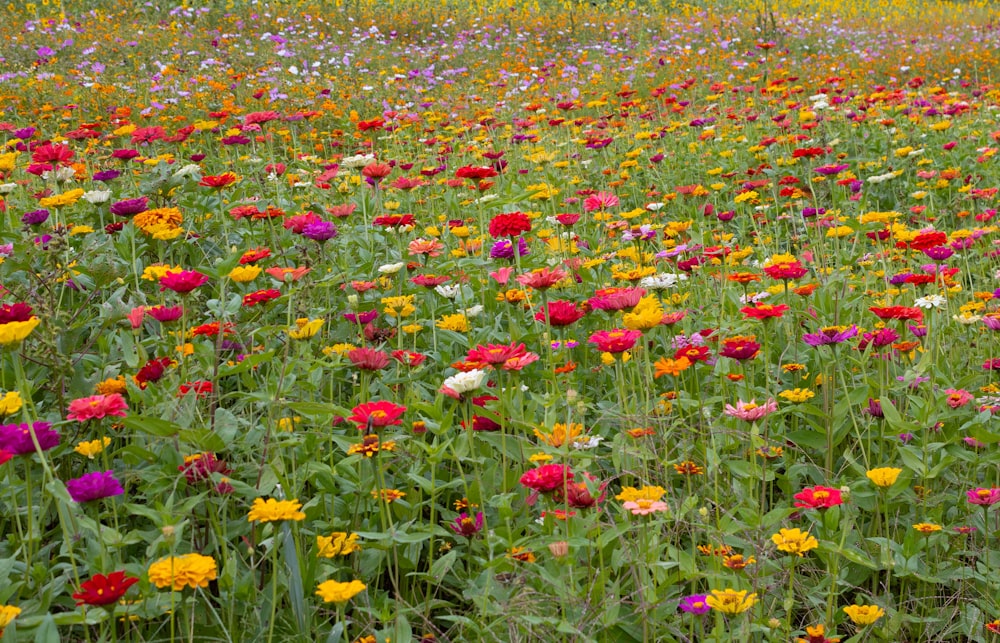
(462, 383)
(930, 301)
(97, 196)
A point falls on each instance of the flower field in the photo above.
(358, 321)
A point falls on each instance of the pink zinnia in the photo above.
(985, 497)
(751, 411)
(182, 282)
(600, 201)
(543, 278)
(368, 359)
(97, 407)
(645, 507)
(547, 477)
(612, 299)
(618, 340)
(958, 397)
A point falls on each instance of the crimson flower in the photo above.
(377, 414)
(219, 181)
(466, 526)
(898, 312)
(104, 590)
(818, 497)
(764, 311)
(368, 359)
(509, 224)
(182, 282)
(547, 477)
(560, 313)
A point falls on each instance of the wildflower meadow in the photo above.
(359, 321)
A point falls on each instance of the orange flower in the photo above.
(667, 366)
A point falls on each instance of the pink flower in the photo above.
(97, 407)
(751, 411)
(135, 316)
(182, 282)
(502, 275)
(542, 278)
(985, 497)
(600, 201)
(958, 397)
(547, 477)
(645, 507)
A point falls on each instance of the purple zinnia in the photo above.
(466, 525)
(939, 253)
(695, 604)
(504, 249)
(16, 438)
(94, 486)
(830, 335)
(106, 175)
(35, 217)
(321, 231)
(130, 207)
(24, 133)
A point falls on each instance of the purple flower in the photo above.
(45, 52)
(466, 526)
(939, 253)
(879, 338)
(321, 231)
(695, 604)
(874, 408)
(830, 335)
(504, 249)
(129, 207)
(811, 212)
(900, 279)
(906, 438)
(35, 217)
(94, 486)
(361, 318)
(16, 438)
(24, 133)
(828, 170)
(105, 176)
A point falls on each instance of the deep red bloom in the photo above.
(165, 314)
(377, 414)
(926, 240)
(470, 172)
(104, 590)
(495, 354)
(547, 477)
(509, 224)
(409, 358)
(182, 282)
(394, 220)
(577, 495)
(218, 181)
(152, 371)
(693, 353)
(561, 313)
(739, 348)
(19, 312)
(200, 467)
(260, 297)
(785, 271)
(898, 312)
(255, 255)
(201, 388)
(818, 497)
(298, 222)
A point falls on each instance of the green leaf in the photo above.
(152, 426)
(47, 631)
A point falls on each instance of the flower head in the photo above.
(883, 476)
(97, 407)
(94, 486)
(377, 414)
(272, 510)
(178, 572)
(104, 590)
(466, 525)
(818, 497)
(730, 601)
(332, 591)
(694, 604)
(864, 614)
(983, 497)
(794, 541)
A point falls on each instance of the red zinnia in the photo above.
(377, 414)
(739, 348)
(764, 311)
(818, 497)
(260, 297)
(218, 181)
(409, 358)
(561, 313)
(898, 312)
(509, 224)
(104, 590)
(785, 271)
(368, 359)
(376, 171)
(547, 477)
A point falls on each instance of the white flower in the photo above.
(462, 383)
(475, 311)
(661, 281)
(97, 196)
(587, 442)
(60, 174)
(360, 160)
(391, 268)
(967, 318)
(448, 291)
(654, 207)
(7, 188)
(190, 169)
(930, 301)
(755, 297)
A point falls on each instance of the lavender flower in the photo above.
(695, 604)
(321, 231)
(830, 335)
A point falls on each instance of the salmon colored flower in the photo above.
(377, 414)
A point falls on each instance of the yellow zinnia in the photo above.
(730, 601)
(884, 476)
(794, 541)
(647, 314)
(14, 332)
(7, 614)
(864, 614)
(93, 447)
(244, 274)
(178, 572)
(305, 328)
(336, 544)
(272, 510)
(333, 592)
(10, 403)
(457, 323)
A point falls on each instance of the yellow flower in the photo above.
(730, 601)
(111, 385)
(7, 614)
(8, 161)
(10, 403)
(305, 328)
(156, 271)
(244, 274)
(540, 457)
(557, 437)
(14, 332)
(389, 495)
(794, 541)
(398, 306)
(884, 476)
(151, 219)
(631, 494)
(412, 329)
(339, 349)
(457, 323)
(864, 614)
(333, 592)
(927, 528)
(336, 544)
(60, 200)
(647, 314)
(272, 510)
(92, 447)
(797, 395)
(288, 424)
(178, 572)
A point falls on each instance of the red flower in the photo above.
(218, 181)
(394, 220)
(693, 353)
(201, 388)
(567, 219)
(255, 255)
(165, 314)
(577, 495)
(377, 414)
(495, 354)
(547, 477)
(785, 271)
(561, 313)
(19, 312)
(182, 282)
(104, 590)
(298, 222)
(764, 311)
(201, 466)
(470, 172)
(509, 224)
(260, 297)
(618, 340)
(152, 371)
(926, 240)
(376, 171)
(898, 312)
(542, 278)
(818, 497)
(368, 359)
(739, 348)
(409, 358)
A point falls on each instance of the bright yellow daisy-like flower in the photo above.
(7, 614)
(797, 395)
(92, 448)
(244, 274)
(794, 541)
(927, 528)
(305, 328)
(457, 323)
(338, 543)
(559, 434)
(884, 476)
(15, 332)
(10, 403)
(332, 591)
(272, 510)
(646, 315)
(631, 494)
(178, 572)
(864, 614)
(730, 601)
